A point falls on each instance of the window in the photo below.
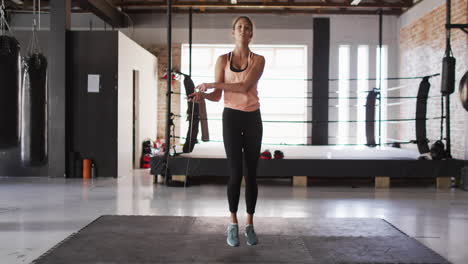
(383, 92)
(362, 88)
(345, 109)
(343, 92)
(282, 90)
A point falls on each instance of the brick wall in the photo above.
(422, 47)
(160, 51)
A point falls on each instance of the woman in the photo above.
(237, 74)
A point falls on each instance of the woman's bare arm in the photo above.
(219, 78)
(251, 79)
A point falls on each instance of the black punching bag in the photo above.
(10, 92)
(193, 112)
(447, 85)
(464, 91)
(34, 118)
(421, 112)
(370, 117)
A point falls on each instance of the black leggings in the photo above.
(242, 132)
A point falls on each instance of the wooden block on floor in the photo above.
(382, 182)
(443, 182)
(300, 181)
(179, 178)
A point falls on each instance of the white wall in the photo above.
(134, 57)
(418, 11)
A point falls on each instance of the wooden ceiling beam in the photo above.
(266, 11)
(390, 7)
(104, 10)
(261, 4)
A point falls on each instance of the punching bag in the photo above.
(34, 118)
(421, 111)
(193, 116)
(447, 85)
(10, 92)
(370, 118)
(196, 114)
(463, 90)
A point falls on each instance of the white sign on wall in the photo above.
(93, 83)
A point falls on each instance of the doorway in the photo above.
(135, 133)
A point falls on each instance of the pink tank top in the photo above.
(244, 101)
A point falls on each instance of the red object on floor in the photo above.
(266, 155)
(87, 168)
(145, 161)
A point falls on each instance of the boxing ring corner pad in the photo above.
(181, 178)
(382, 182)
(299, 181)
(443, 182)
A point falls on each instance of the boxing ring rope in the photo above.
(367, 121)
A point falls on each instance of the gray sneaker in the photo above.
(233, 235)
(251, 236)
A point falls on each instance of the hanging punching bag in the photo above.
(463, 89)
(370, 117)
(10, 92)
(34, 118)
(421, 111)
(447, 85)
(193, 116)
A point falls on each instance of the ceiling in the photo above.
(388, 7)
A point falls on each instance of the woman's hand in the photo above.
(196, 97)
(203, 87)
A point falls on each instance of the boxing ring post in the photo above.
(380, 76)
(190, 42)
(448, 78)
(170, 179)
(169, 85)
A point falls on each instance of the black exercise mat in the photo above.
(172, 239)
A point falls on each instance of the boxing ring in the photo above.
(375, 159)
(382, 163)
(215, 150)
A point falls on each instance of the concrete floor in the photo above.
(37, 213)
